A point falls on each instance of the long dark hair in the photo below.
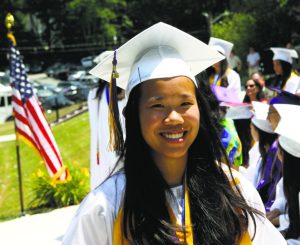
(265, 141)
(291, 186)
(286, 72)
(219, 214)
(259, 95)
(223, 76)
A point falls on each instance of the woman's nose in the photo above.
(174, 118)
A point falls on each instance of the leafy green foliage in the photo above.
(238, 29)
(48, 194)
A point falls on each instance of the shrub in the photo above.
(50, 195)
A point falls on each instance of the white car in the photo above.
(5, 103)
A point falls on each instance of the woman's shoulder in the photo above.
(107, 197)
(247, 189)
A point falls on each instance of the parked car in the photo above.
(76, 75)
(5, 103)
(74, 90)
(87, 61)
(56, 101)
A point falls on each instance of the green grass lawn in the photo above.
(73, 140)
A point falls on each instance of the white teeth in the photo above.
(173, 136)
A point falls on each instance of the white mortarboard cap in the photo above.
(262, 124)
(284, 54)
(261, 110)
(291, 146)
(161, 51)
(224, 47)
(288, 125)
(239, 111)
(102, 56)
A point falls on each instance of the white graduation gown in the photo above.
(292, 85)
(93, 223)
(99, 131)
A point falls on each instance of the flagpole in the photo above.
(19, 172)
(9, 21)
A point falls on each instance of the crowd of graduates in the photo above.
(266, 132)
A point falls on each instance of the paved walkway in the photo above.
(38, 229)
(6, 138)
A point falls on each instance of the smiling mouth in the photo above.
(173, 136)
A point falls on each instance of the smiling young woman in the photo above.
(174, 188)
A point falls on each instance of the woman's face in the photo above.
(217, 67)
(277, 67)
(251, 88)
(273, 117)
(169, 116)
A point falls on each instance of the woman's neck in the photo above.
(172, 169)
(252, 97)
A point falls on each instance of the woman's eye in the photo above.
(186, 103)
(157, 106)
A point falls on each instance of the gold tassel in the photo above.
(116, 141)
(11, 37)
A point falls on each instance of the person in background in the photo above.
(254, 92)
(268, 169)
(222, 74)
(173, 188)
(260, 78)
(235, 62)
(289, 152)
(102, 159)
(228, 133)
(253, 60)
(284, 118)
(286, 78)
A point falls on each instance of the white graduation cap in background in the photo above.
(262, 124)
(161, 51)
(284, 54)
(261, 110)
(242, 111)
(288, 125)
(224, 47)
(260, 117)
(291, 146)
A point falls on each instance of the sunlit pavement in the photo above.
(45, 228)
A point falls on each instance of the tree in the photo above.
(237, 28)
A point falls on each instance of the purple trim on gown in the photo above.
(271, 176)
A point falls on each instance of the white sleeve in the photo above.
(293, 241)
(92, 224)
(280, 201)
(293, 85)
(234, 81)
(266, 233)
(94, 220)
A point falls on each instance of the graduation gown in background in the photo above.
(233, 78)
(292, 85)
(102, 160)
(94, 221)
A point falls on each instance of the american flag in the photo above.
(30, 120)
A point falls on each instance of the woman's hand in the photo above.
(273, 216)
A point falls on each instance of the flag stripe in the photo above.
(35, 110)
(21, 132)
(38, 136)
